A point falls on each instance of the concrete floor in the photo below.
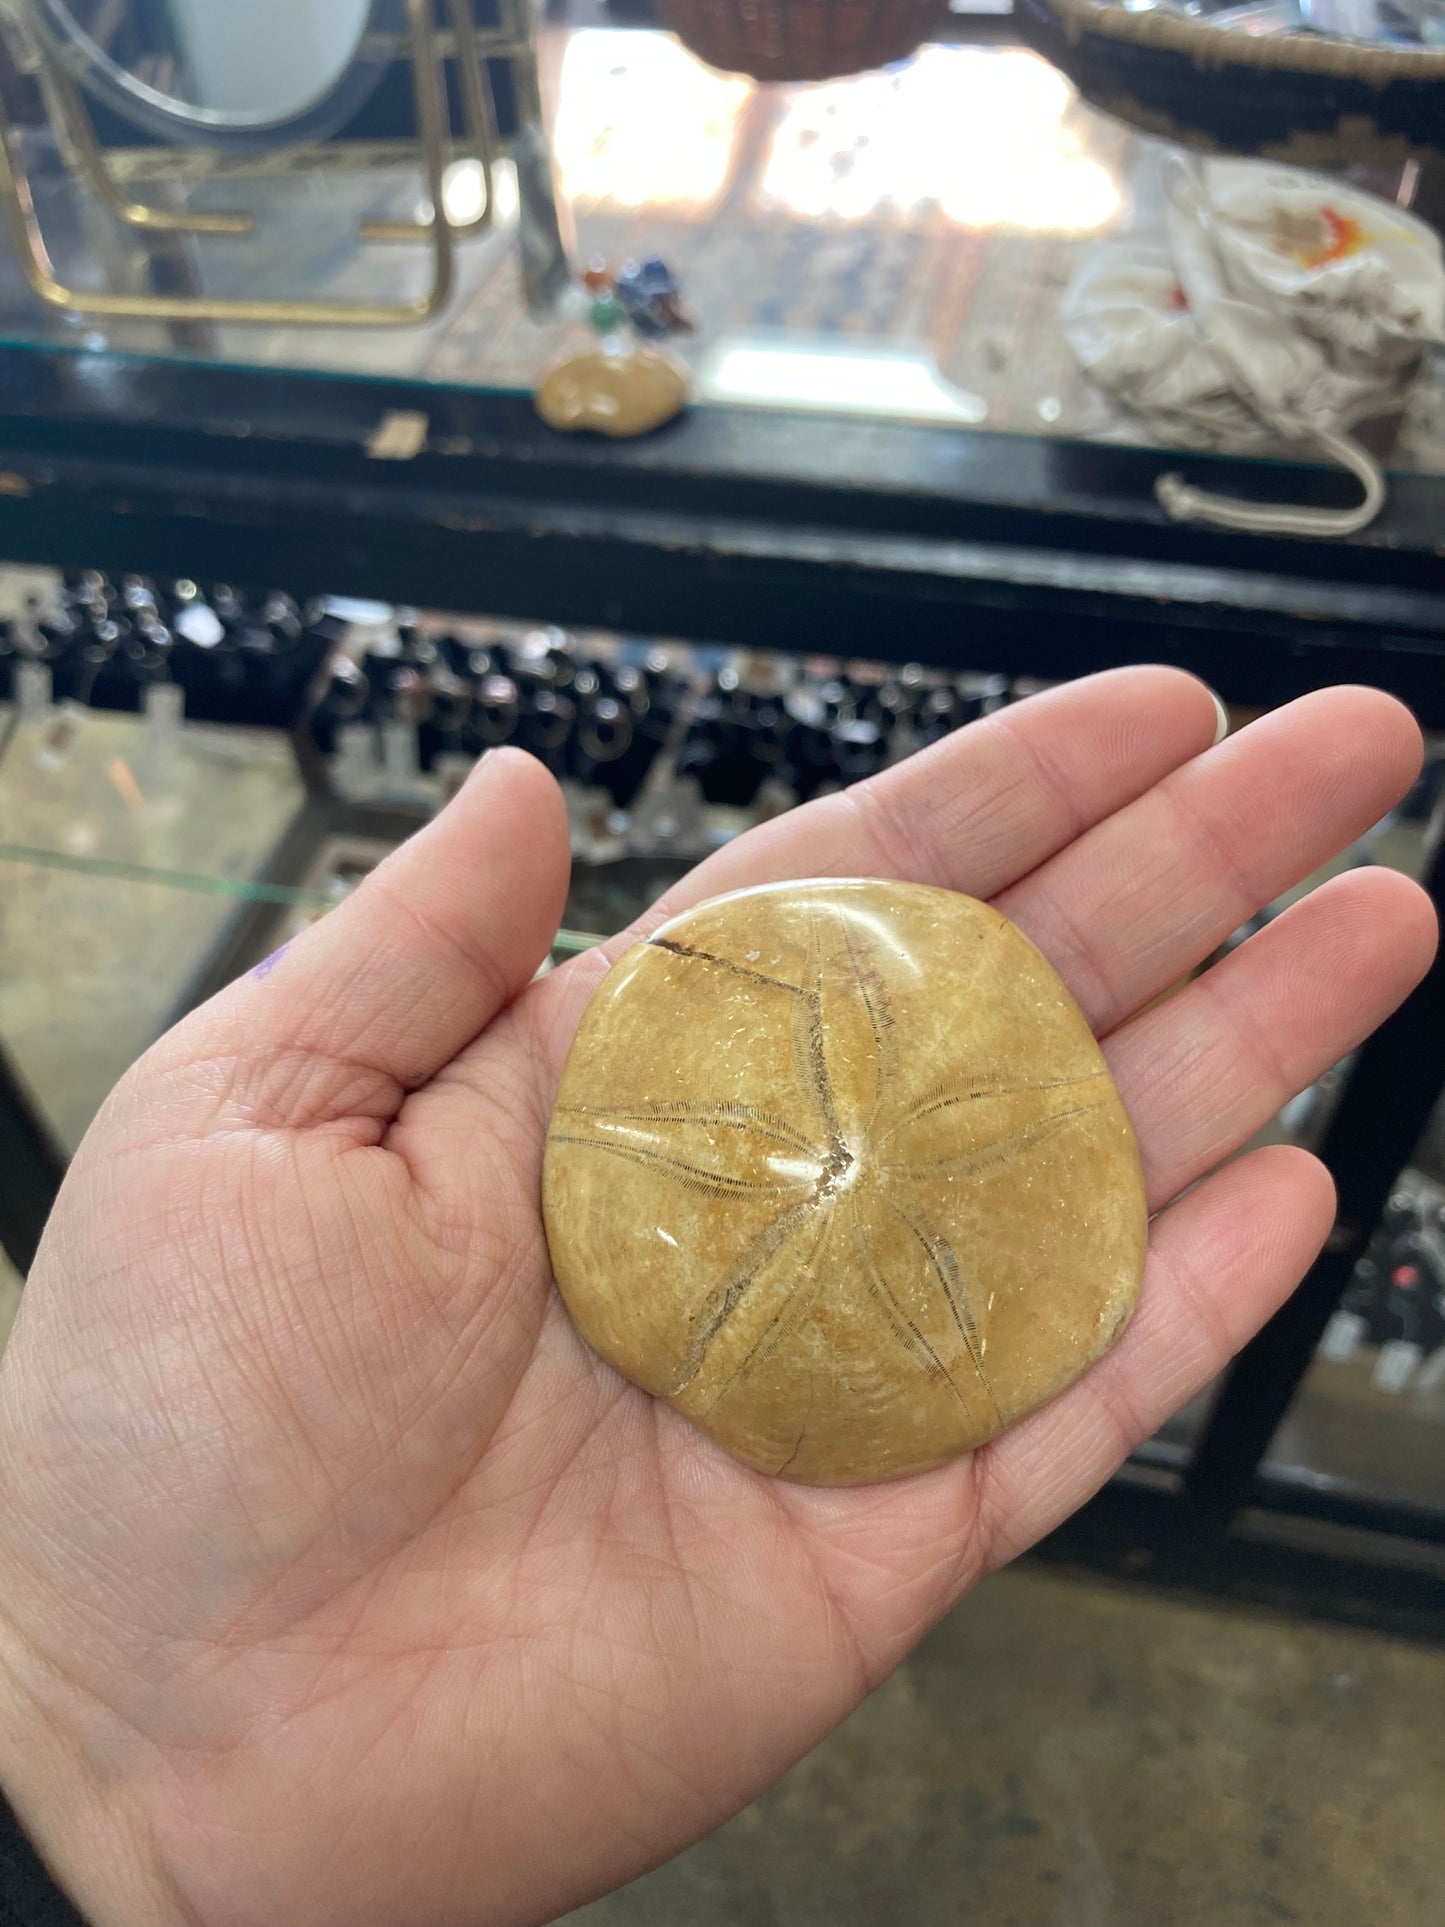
(1067, 1753)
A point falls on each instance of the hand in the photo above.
(341, 1584)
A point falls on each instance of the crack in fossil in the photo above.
(874, 992)
(724, 963)
(810, 1040)
(797, 1300)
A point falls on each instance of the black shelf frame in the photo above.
(1035, 555)
(1026, 555)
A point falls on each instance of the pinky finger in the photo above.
(1221, 1261)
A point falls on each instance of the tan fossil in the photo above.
(838, 1170)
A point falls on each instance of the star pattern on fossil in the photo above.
(869, 1153)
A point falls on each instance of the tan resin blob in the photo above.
(837, 1169)
(612, 394)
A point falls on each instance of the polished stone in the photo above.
(621, 395)
(837, 1168)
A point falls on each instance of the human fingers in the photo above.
(972, 813)
(1221, 1260)
(1202, 1072)
(376, 997)
(1146, 894)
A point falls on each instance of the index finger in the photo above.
(975, 812)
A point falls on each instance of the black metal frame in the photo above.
(1021, 554)
(1383, 1110)
(1035, 555)
(32, 1165)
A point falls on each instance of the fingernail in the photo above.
(1221, 727)
(457, 781)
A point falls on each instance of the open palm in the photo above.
(340, 1583)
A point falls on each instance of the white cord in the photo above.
(1185, 185)
(1183, 503)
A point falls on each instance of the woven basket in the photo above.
(802, 39)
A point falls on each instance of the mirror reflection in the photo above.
(244, 64)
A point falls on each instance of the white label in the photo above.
(356, 769)
(1343, 1337)
(1395, 1366)
(34, 689)
(201, 625)
(165, 710)
(62, 731)
(398, 749)
(669, 815)
(400, 436)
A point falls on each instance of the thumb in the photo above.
(388, 987)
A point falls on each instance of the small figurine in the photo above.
(652, 298)
(621, 386)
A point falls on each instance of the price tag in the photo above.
(34, 690)
(1395, 1366)
(62, 731)
(399, 751)
(165, 709)
(357, 769)
(1343, 1337)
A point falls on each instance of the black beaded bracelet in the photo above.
(29, 1896)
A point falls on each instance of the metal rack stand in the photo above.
(113, 176)
(1383, 1111)
(32, 1164)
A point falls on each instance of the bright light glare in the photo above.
(980, 131)
(642, 123)
(851, 380)
(464, 192)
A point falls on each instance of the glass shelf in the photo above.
(127, 854)
(121, 858)
(1370, 1412)
(896, 244)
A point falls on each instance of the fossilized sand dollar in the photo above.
(838, 1170)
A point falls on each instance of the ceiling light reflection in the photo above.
(464, 192)
(819, 374)
(642, 123)
(980, 132)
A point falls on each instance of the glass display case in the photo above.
(147, 860)
(896, 499)
(1369, 1416)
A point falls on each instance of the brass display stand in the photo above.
(113, 177)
